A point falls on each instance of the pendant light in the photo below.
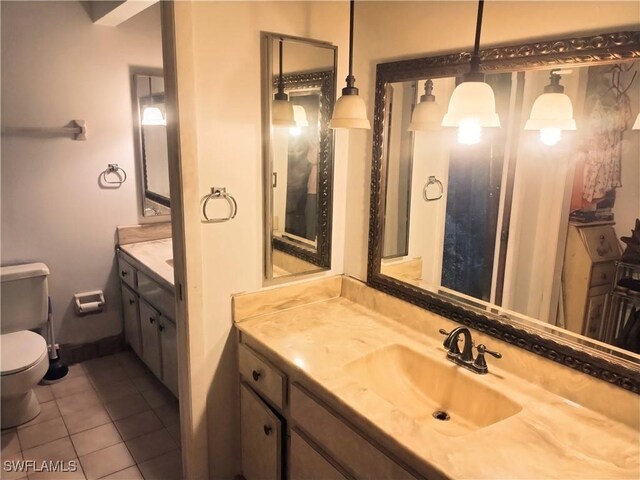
(282, 109)
(427, 116)
(300, 117)
(472, 104)
(552, 112)
(350, 110)
(152, 115)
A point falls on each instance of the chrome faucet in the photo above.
(465, 358)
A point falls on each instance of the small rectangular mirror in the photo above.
(298, 96)
(151, 145)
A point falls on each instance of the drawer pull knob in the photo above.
(131, 301)
(124, 273)
(267, 430)
(256, 375)
(151, 319)
(161, 327)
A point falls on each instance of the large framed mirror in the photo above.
(529, 235)
(150, 127)
(298, 94)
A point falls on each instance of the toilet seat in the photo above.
(20, 351)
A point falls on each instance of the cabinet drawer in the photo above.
(345, 445)
(602, 274)
(262, 376)
(127, 273)
(305, 463)
(261, 438)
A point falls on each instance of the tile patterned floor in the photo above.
(110, 416)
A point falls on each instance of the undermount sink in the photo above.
(433, 391)
(170, 262)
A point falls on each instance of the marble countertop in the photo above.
(156, 256)
(551, 437)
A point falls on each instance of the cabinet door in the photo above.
(169, 349)
(150, 338)
(261, 433)
(305, 463)
(131, 320)
(595, 316)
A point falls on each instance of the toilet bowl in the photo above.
(24, 361)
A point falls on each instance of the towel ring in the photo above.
(219, 193)
(114, 168)
(432, 181)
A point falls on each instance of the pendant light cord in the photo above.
(350, 89)
(280, 95)
(474, 74)
(351, 9)
(476, 46)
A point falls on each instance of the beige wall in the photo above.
(218, 56)
(58, 66)
(393, 30)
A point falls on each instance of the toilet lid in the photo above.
(20, 350)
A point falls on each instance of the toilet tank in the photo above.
(23, 297)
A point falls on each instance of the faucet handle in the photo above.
(482, 348)
(480, 363)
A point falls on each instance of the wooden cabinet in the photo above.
(148, 309)
(149, 319)
(319, 443)
(306, 463)
(588, 275)
(131, 319)
(261, 438)
(169, 352)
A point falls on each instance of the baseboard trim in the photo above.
(75, 353)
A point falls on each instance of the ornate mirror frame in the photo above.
(324, 82)
(585, 356)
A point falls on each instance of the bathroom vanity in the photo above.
(148, 302)
(339, 380)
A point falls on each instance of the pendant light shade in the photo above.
(472, 102)
(552, 112)
(472, 105)
(350, 110)
(636, 125)
(281, 110)
(300, 116)
(282, 114)
(427, 115)
(152, 115)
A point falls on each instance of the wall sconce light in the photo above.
(152, 115)
(427, 116)
(552, 112)
(636, 124)
(282, 109)
(472, 105)
(350, 110)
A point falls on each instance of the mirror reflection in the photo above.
(299, 162)
(152, 153)
(535, 220)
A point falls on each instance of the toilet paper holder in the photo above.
(89, 302)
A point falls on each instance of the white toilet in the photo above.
(24, 360)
